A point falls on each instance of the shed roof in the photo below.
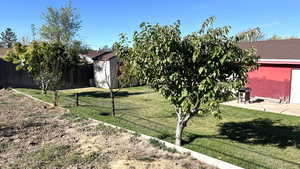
(100, 55)
(275, 49)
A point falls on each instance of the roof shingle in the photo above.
(100, 55)
(275, 49)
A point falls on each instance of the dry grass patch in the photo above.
(34, 135)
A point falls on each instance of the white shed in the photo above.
(106, 66)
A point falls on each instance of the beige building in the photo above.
(106, 66)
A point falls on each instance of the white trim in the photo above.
(280, 60)
(295, 97)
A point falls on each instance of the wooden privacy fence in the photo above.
(9, 77)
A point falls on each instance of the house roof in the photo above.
(275, 49)
(3, 51)
(100, 55)
(105, 56)
(92, 53)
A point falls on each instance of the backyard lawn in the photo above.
(247, 138)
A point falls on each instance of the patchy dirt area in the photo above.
(35, 135)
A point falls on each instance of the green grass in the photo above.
(247, 138)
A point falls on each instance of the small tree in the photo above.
(33, 31)
(109, 76)
(194, 72)
(44, 60)
(112, 91)
(252, 35)
(61, 24)
(275, 37)
(8, 38)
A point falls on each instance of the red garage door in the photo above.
(270, 81)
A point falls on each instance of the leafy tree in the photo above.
(292, 37)
(252, 35)
(8, 38)
(107, 80)
(275, 37)
(194, 72)
(46, 61)
(61, 24)
(33, 31)
(25, 40)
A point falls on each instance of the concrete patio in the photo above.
(289, 109)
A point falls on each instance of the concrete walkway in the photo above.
(289, 109)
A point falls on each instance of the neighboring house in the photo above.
(278, 76)
(106, 66)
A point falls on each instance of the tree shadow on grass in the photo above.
(262, 131)
(164, 133)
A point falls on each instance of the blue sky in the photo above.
(103, 21)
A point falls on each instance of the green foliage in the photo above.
(33, 31)
(41, 59)
(4, 146)
(155, 118)
(252, 35)
(277, 37)
(194, 72)
(46, 61)
(145, 158)
(8, 38)
(61, 24)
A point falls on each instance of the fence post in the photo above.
(76, 99)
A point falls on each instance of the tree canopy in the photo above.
(194, 72)
(8, 38)
(60, 24)
(45, 61)
(252, 35)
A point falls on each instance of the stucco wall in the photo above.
(271, 81)
(102, 73)
(106, 73)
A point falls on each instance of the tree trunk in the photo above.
(113, 103)
(55, 98)
(182, 120)
(179, 131)
(44, 87)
